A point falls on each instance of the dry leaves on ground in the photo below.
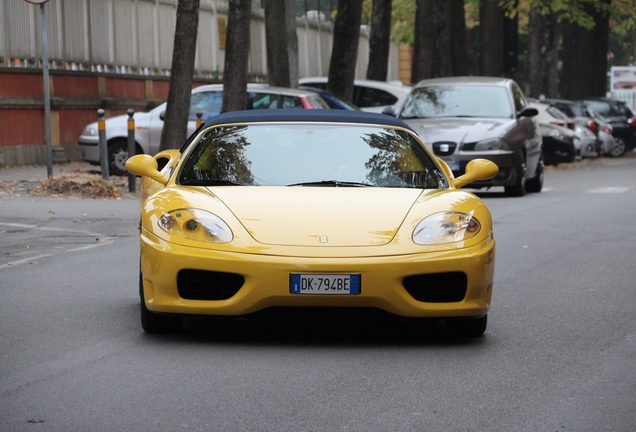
(79, 183)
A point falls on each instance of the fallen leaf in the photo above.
(33, 262)
(51, 212)
(26, 246)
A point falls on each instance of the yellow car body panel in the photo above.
(278, 231)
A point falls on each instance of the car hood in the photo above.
(309, 216)
(459, 130)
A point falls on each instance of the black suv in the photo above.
(622, 119)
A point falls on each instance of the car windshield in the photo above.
(458, 101)
(338, 155)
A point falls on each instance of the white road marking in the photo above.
(608, 190)
(101, 240)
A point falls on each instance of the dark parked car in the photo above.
(622, 119)
(558, 144)
(586, 116)
(465, 118)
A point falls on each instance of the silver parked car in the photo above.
(368, 95)
(205, 99)
(464, 118)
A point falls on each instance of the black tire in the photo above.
(619, 148)
(535, 184)
(466, 327)
(519, 188)
(117, 157)
(157, 323)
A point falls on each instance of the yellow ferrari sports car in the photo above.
(268, 210)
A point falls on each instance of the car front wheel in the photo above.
(157, 323)
(619, 148)
(519, 188)
(117, 156)
(536, 184)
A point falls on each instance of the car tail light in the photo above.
(632, 121)
(606, 129)
(592, 126)
(558, 123)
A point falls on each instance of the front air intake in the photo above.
(208, 285)
(437, 287)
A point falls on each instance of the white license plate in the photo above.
(325, 283)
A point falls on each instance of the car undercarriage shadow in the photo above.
(314, 329)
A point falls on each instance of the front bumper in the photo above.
(90, 149)
(267, 280)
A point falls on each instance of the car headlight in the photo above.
(89, 131)
(491, 144)
(195, 224)
(446, 227)
(558, 136)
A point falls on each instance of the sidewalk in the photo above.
(34, 173)
(22, 180)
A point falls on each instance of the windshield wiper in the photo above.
(334, 183)
(210, 183)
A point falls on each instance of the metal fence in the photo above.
(137, 36)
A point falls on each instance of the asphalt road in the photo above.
(559, 353)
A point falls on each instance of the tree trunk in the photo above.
(511, 43)
(491, 55)
(277, 43)
(292, 41)
(175, 128)
(585, 58)
(459, 39)
(551, 68)
(535, 23)
(379, 40)
(237, 48)
(344, 54)
(423, 49)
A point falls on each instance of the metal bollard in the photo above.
(199, 119)
(131, 147)
(103, 146)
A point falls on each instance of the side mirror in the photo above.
(477, 169)
(527, 112)
(389, 111)
(162, 116)
(146, 165)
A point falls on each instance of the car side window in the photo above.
(262, 101)
(207, 103)
(291, 102)
(366, 97)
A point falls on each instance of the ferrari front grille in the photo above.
(208, 285)
(437, 287)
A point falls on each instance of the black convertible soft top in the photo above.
(305, 115)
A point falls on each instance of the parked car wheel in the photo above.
(467, 327)
(157, 323)
(536, 184)
(117, 157)
(518, 189)
(619, 148)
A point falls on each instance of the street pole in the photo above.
(47, 88)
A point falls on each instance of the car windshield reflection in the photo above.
(310, 155)
(458, 101)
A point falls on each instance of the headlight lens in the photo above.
(446, 227)
(195, 224)
(89, 131)
(491, 144)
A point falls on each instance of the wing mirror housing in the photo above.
(527, 112)
(146, 166)
(476, 170)
(389, 111)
